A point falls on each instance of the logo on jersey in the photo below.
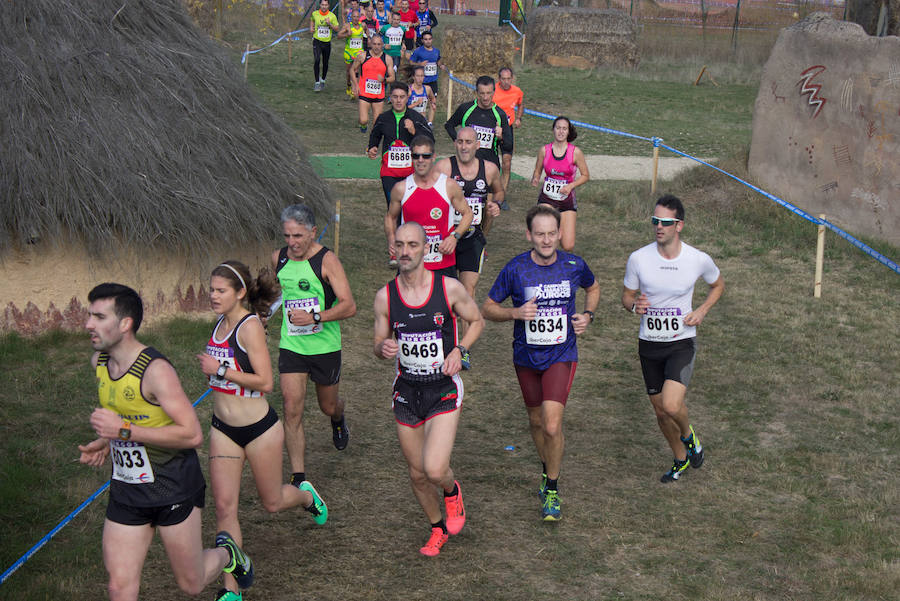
(545, 291)
(480, 184)
(436, 213)
(128, 393)
(438, 319)
(304, 285)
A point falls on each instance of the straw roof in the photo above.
(121, 122)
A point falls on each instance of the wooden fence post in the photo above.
(246, 61)
(655, 169)
(820, 258)
(449, 94)
(337, 228)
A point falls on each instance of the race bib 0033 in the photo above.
(130, 462)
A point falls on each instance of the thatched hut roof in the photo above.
(122, 122)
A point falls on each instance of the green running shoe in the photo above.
(227, 595)
(542, 491)
(239, 565)
(550, 510)
(677, 467)
(318, 509)
(694, 449)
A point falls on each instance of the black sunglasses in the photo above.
(423, 155)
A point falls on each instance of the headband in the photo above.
(240, 279)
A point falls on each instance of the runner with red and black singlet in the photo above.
(416, 325)
(370, 73)
(426, 198)
(542, 284)
(565, 169)
(659, 286)
(394, 130)
(482, 188)
(371, 23)
(245, 428)
(495, 136)
(147, 427)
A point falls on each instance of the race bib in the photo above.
(432, 254)
(422, 352)
(664, 324)
(394, 39)
(355, 44)
(373, 87)
(224, 357)
(477, 209)
(550, 326)
(552, 187)
(310, 305)
(485, 136)
(323, 32)
(421, 108)
(399, 157)
(130, 462)
(431, 69)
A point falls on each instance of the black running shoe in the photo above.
(694, 448)
(340, 434)
(239, 564)
(677, 467)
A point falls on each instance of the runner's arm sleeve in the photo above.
(454, 121)
(375, 135)
(433, 18)
(506, 144)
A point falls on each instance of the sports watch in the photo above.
(125, 430)
(220, 373)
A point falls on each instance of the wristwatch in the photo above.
(317, 317)
(590, 314)
(223, 367)
(456, 235)
(125, 430)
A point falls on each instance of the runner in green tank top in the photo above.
(316, 295)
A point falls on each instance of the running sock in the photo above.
(453, 492)
(297, 478)
(440, 525)
(551, 484)
(543, 467)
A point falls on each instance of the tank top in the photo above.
(370, 86)
(558, 171)
(476, 193)
(230, 352)
(353, 45)
(425, 334)
(144, 475)
(430, 208)
(372, 27)
(304, 289)
(414, 96)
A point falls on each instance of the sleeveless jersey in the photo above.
(144, 475)
(476, 193)
(373, 68)
(548, 338)
(304, 289)
(558, 172)
(322, 31)
(372, 27)
(414, 96)
(353, 45)
(425, 334)
(431, 209)
(397, 161)
(230, 352)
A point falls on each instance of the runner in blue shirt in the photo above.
(543, 283)
(428, 57)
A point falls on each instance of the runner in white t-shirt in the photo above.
(659, 286)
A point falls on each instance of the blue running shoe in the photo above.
(550, 509)
(694, 449)
(677, 467)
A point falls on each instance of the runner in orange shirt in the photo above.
(509, 97)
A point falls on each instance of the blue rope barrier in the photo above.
(278, 41)
(37, 547)
(658, 142)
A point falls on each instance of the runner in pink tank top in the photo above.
(560, 162)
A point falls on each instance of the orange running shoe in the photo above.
(434, 544)
(456, 512)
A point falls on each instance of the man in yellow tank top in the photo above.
(149, 428)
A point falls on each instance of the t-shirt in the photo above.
(549, 338)
(393, 39)
(508, 100)
(406, 21)
(669, 286)
(321, 30)
(431, 57)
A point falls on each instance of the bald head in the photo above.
(411, 231)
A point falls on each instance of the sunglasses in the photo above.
(424, 155)
(665, 222)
